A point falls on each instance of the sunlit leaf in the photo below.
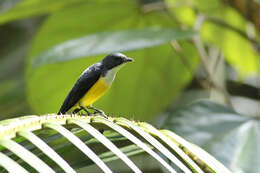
(238, 51)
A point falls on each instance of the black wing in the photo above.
(86, 80)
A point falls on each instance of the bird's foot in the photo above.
(88, 113)
(98, 111)
(101, 113)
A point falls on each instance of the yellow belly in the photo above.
(94, 93)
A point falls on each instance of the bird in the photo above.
(93, 83)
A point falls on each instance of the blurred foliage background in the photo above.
(184, 51)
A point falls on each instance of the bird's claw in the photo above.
(102, 113)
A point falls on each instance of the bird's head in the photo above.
(114, 60)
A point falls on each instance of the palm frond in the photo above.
(45, 144)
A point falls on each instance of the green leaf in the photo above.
(238, 51)
(156, 67)
(231, 137)
(108, 42)
(6, 5)
(29, 8)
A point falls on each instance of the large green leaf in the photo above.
(143, 88)
(108, 42)
(231, 137)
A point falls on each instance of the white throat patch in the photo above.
(110, 75)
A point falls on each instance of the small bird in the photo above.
(93, 83)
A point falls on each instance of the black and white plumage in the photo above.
(93, 83)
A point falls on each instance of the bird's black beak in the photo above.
(127, 59)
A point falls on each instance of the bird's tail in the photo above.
(61, 112)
